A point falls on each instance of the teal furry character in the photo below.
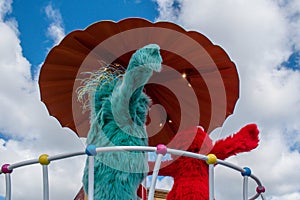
(118, 113)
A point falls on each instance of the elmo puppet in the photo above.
(190, 174)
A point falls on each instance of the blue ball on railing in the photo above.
(91, 150)
(246, 172)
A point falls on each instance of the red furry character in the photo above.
(191, 175)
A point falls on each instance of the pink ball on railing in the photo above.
(260, 189)
(5, 169)
(161, 149)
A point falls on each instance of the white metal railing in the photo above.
(161, 150)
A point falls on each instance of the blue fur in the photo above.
(118, 114)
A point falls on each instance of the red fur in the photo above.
(142, 192)
(191, 175)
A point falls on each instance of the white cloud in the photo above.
(5, 7)
(259, 35)
(166, 10)
(294, 195)
(291, 11)
(25, 119)
(56, 29)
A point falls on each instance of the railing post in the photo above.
(246, 173)
(211, 182)
(245, 188)
(8, 187)
(161, 150)
(91, 152)
(211, 161)
(45, 183)
(7, 171)
(91, 178)
(43, 160)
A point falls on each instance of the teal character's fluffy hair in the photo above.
(118, 114)
(107, 74)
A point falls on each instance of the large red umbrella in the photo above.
(198, 84)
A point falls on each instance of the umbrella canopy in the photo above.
(198, 84)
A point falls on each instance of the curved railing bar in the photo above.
(66, 155)
(36, 161)
(23, 163)
(255, 196)
(7, 169)
(237, 168)
(126, 148)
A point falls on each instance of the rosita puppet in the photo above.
(118, 113)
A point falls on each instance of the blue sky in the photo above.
(261, 36)
(33, 21)
(294, 61)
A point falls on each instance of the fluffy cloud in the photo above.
(5, 7)
(167, 10)
(26, 123)
(56, 29)
(15, 75)
(260, 36)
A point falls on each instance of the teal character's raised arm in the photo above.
(118, 114)
(128, 97)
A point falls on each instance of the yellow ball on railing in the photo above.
(211, 159)
(43, 159)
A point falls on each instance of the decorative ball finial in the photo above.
(43, 159)
(260, 189)
(5, 169)
(91, 150)
(161, 149)
(246, 172)
(211, 159)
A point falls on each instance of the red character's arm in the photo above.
(243, 141)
